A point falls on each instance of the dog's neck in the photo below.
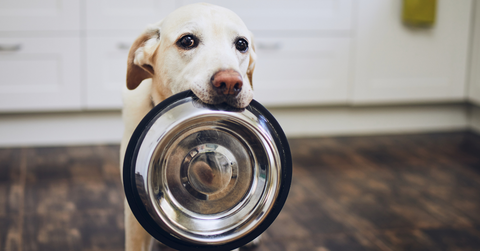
(155, 95)
(158, 92)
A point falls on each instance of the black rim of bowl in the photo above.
(156, 231)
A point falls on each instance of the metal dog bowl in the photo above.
(206, 177)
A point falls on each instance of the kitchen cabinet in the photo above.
(474, 77)
(110, 15)
(71, 55)
(303, 49)
(39, 74)
(290, 70)
(285, 15)
(301, 71)
(33, 15)
(40, 55)
(106, 67)
(394, 63)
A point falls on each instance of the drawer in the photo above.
(106, 71)
(322, 15)
(301, 71)
(40, 74)
(31, 15)
(126, 14)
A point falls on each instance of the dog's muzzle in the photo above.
(206, 177)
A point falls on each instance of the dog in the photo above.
(199, 47)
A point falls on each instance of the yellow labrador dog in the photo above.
(201, 47)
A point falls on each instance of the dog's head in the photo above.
(201, 47)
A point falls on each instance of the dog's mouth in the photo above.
(220, 105)
(221, 101)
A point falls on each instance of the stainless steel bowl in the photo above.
(208, 177)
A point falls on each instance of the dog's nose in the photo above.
(227, 82)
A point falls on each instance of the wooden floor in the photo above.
(404, 192)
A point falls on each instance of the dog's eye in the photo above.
(187, 42)
(241, 45)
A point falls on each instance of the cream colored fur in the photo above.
(158, 68)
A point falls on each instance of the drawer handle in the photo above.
(10, 47)
(123, 46)
(269, 45)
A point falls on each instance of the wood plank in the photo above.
(395, 192)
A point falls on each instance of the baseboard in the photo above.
(371, 120)
(58, 129)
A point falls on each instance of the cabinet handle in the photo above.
(123, 46)
(10, 47)
(269, 45)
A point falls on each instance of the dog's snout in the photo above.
(227, 82)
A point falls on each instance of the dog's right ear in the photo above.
(139, 64)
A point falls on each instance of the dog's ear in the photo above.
(139, 63)
(252, 60)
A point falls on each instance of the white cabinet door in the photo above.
(40, 74)
(474, 88)
(289, 71)
(290, 15)
(301, 71)
(106, 71)
(34, 15)
(125, 14)
(394, 63)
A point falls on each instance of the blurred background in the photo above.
(324, 67)
(402, 76)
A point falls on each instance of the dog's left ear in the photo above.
(140, 57)
(252, 60)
